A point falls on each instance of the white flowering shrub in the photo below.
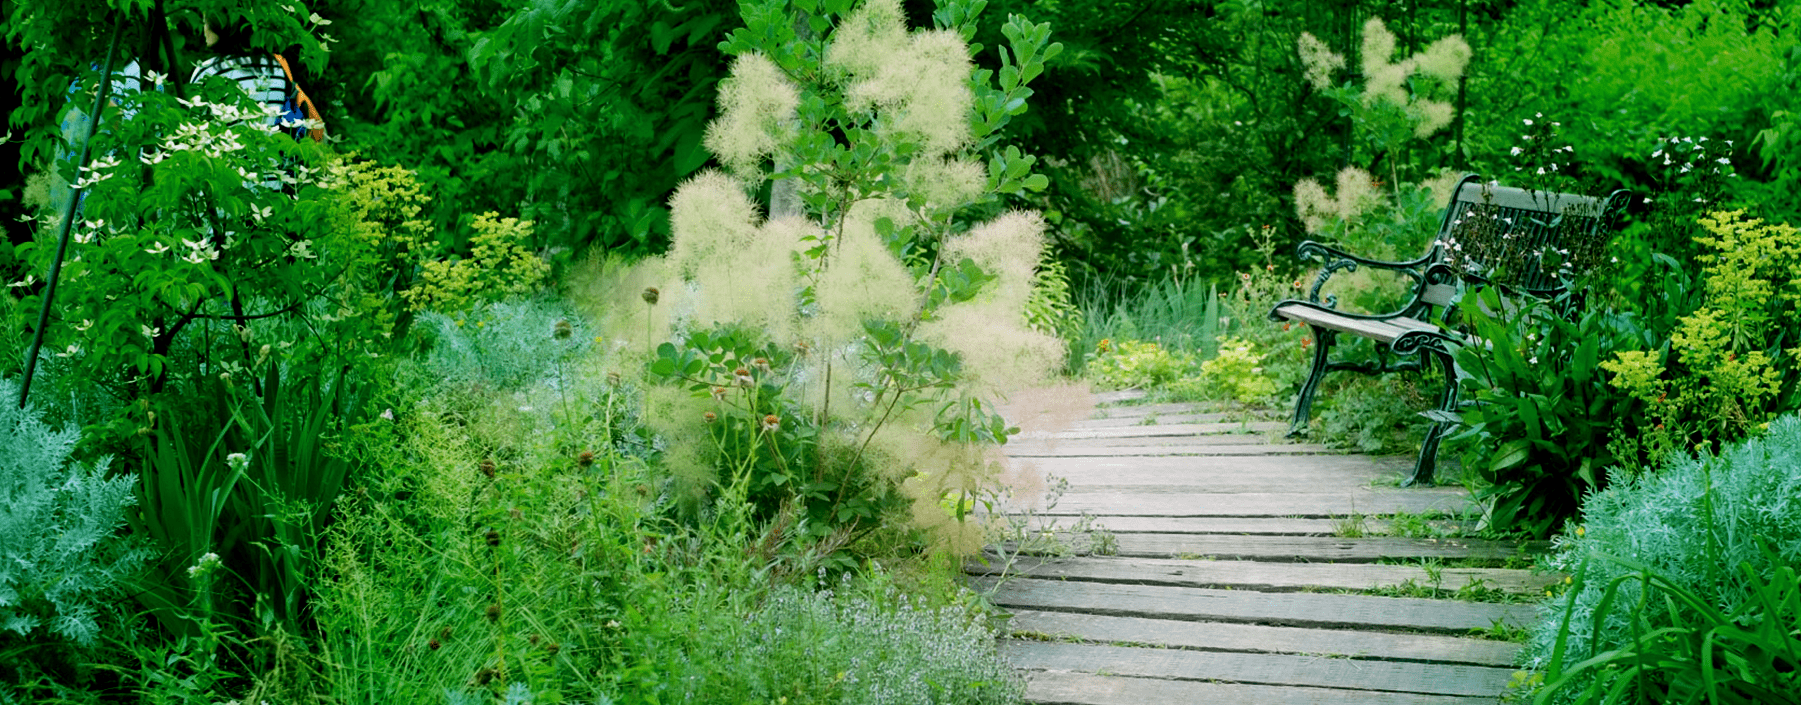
(1400, 103)
(849, 343)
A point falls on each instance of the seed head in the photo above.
(553, 648)
(433, 644)
(742, 377)
(493, 540)
(651, 295)
(562, 330)
(771, 423)
(586, 459)
(761, 363)
(444, 635)
(710, 417)
(533, 639)
(487, 467)
(493, 612)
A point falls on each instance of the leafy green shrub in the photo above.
(1725, 365)
(867, 645)
(1703, 547)
(1237, 373)
(500, 345)
(1051, 308)
(885, 252)
(60, 560)
(1536, 411)
(1178, 311)
(1137, 364)
(501, 552)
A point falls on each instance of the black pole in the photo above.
(62, 242)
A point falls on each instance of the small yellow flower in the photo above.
(1566, 579)
(1580, 532)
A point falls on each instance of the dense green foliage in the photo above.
(598, 299)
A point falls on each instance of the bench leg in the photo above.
(1303, 404)
(1447, 401)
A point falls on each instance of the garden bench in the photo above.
(1489, 235)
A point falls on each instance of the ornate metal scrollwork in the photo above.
(1413, 343)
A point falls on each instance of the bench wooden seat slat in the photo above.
(1379, 330)
(1531, 227)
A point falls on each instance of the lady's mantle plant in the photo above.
(872, 314)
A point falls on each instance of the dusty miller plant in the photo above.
(888, 318)
(59, 557)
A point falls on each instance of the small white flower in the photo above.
(150, 332)
(316, 19)
(158, 249)
(1517, 150)
(83, 325)
(1528, 122)
(27, 281)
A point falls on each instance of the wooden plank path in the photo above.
(1232, 566)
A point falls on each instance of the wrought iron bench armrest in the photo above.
(1333, 259)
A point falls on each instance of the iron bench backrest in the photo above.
(1522, 239)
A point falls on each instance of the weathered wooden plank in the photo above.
(1019, 450)
(1319, 549)
(1260, 575)
(1257, 638)
(1155, 419)
(1118, 397)
(1257, 473)
(1279, 526)
(1046, 439)
(1263, 669)
(1075, 688)
(1450, 500)
(1186, 429)
(1204, 467)
(1130, 411)
(1283, 609)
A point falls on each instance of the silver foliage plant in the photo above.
(60, 555)
(1693, 521)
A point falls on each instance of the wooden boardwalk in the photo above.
(1231, 571)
